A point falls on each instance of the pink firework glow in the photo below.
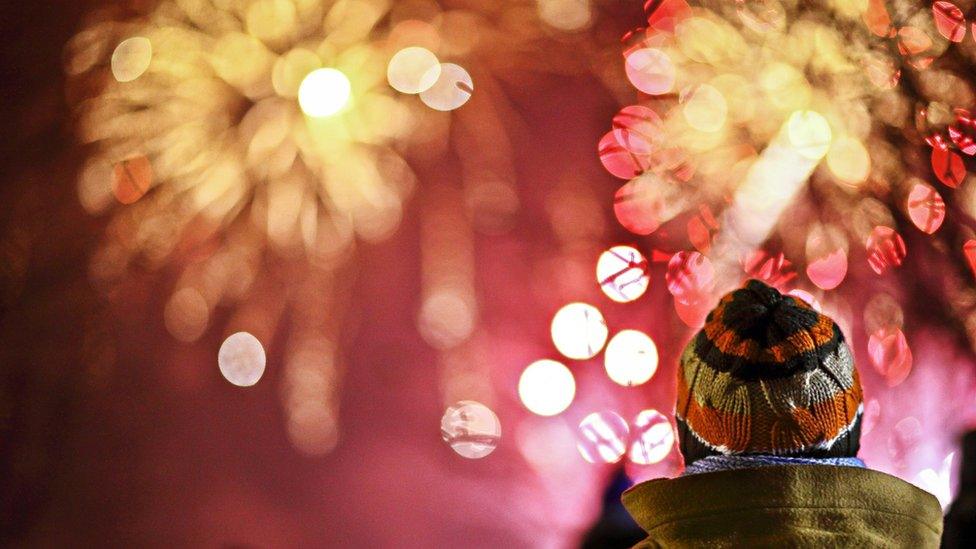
(373, 273)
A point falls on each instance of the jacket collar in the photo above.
(657, 502)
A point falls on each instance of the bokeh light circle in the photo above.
(451, 89)
(291, 68)
(904, 437)
(693, 313)
(948, 166)
(829, 270)
(949, 20)
(925, 207)
(761, 15)
(602, 437)
(690, 276)
(650, 70)
(885, 248)
(653, 438)
(638, 129)
(447, 317)
(618, 160)
(705, 109)
(881, 311)
(890, 354)
(566, 15)
(131, 58)
(631, 358)
(241, 359)
(848, 160)
(622, 274)
(312, 428)
(546, 387)
(471, 429)
(826, 251)
(131, 179)
(413, 70)
(579, 331)
(324, 92)
(635, 210)
(870, 417)
(644, 203)
(186, 314)
(809, 134)
(807, 298)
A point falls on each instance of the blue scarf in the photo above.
(728, 463)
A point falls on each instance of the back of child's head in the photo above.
(768, 374)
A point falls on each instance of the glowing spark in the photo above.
(653, 438)
(241, 359)
(622, 273)
(131, 58)
(546, 387)
(471, 429)
(324, 92)
(452, 88)
(579, 331)
(631, 358)
(413, 70)
(602, 437)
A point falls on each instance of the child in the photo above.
(769, 415)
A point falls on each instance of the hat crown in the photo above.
(765, 322)
(767, 374)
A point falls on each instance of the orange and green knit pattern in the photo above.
(768, 374)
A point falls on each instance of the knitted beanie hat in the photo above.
(768, 374)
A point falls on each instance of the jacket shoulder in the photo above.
(790, 505)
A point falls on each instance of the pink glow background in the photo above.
(158, 449)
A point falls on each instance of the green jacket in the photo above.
(785, 506)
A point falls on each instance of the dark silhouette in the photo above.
(960, 522)
(615, 528)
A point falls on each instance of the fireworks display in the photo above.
(769, 139)
(386, 214)
(225, 136)
(797, 143)
(776, 139)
